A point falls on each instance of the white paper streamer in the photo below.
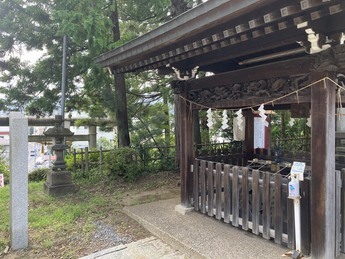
(263, 115)
(225, 120)
(239, 119)
(209, 118)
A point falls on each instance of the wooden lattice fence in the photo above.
(252, 200)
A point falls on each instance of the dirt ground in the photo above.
(109, 227)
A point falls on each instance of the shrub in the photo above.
(123, 162)
(93, 159)
(38, 175)
(5, 170)
(4, 166)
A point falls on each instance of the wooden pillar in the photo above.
(248, 144)
(323, 167)
(177, 129)
(184, 125)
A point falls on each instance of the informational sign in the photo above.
(298, 169)
(2, 180)
(294, 189)
(259, 133)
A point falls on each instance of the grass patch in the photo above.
(66, 226)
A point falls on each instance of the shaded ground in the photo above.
(99, 224)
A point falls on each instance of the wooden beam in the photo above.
(238, 48)
(323, 168)
(4, 121)
(42, 138)
(272, 70)
(256, 102)
(203, 17)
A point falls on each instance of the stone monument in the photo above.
(19, 201)
(59, 180)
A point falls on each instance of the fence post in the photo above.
(100, 159)
(305, 216)
(82, 160)
(342, 210)
(337, 212)
(74, 160)
(87, 161)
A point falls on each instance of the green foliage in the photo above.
(105, 143)
(38, 25)
(123, 162)
(38, 175)
(157, 159)
(289, 138)
(36, 88)
(70, 161)
(93, 157)
(4, 169)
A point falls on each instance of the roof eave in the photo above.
(191, 22)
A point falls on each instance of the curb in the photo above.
(189, 251)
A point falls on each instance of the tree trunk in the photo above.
(121, 111)
(120, 90)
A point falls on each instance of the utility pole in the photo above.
(63, 79)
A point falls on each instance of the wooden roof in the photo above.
(222, 35)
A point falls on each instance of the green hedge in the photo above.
(124, 163)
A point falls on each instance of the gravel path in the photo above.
(106, 235)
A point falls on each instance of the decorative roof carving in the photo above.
(273, 87)
(330, 60)
(179, 86)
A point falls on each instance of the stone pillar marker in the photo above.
(92, 136)
(19, 180)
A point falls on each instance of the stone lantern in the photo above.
(59, 180)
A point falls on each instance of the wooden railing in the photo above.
(250, 199)
(83, 163)
(149, 156)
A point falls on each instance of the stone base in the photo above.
(183, 210)
(59, 190)
(59, 183)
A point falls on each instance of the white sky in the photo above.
(32, 56)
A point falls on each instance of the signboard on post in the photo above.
(297, 169)
(2, 180)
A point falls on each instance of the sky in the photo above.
(31, 56)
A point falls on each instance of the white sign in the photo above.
(259, 133)
(298, 169)
(2, 180)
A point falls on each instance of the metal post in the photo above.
(63, 79)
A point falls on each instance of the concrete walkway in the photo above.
(189, 236)
(198, 236)
(148, 248)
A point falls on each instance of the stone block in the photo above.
(59, 190)
(59, 183)
(183, 210)
(59, 178)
